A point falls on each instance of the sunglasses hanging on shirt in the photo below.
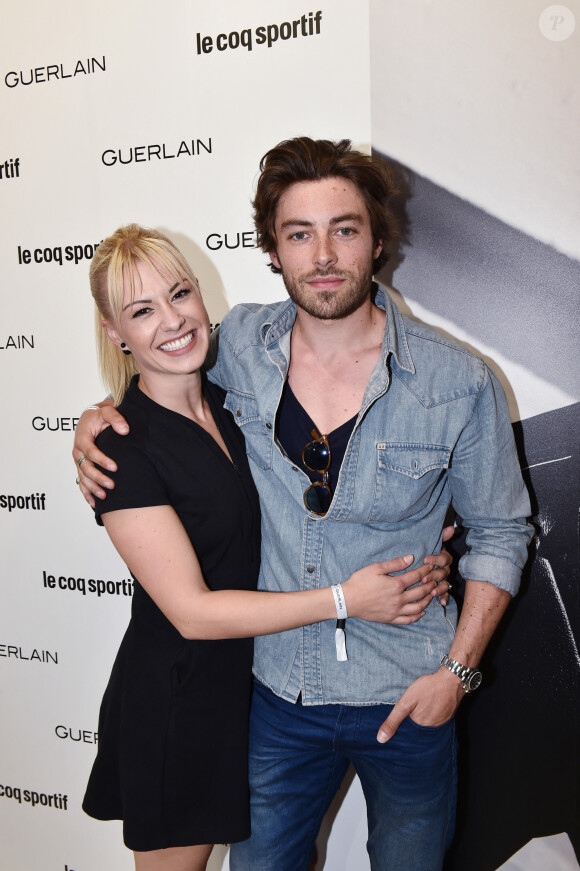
(317, 498)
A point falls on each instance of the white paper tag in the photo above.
(340, 641)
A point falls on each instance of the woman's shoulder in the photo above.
(137, 480)
(138, 416)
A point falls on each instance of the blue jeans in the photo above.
(298, 758)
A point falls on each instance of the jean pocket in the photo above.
(439, 727)
(407, 478)
(258, 436)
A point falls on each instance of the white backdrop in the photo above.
(138, 112)
(60, 188)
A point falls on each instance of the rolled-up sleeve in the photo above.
(489, 494)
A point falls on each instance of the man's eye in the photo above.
(299, 236)
(346, 231)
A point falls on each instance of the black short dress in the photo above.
(173, 725)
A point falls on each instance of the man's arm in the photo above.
(433, 698)
(489, 494)
(91, 422)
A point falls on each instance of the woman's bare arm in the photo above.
(154, 544)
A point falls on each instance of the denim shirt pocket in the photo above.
(406, 477)
(245, 411)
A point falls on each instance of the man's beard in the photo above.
(330, 305)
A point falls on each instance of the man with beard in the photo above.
(362, 427)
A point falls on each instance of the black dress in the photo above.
(173, 725)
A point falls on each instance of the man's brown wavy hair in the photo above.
(304, 159)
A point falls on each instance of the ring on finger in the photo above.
(81, 460)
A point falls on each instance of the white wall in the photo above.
(471, 94)
(482, 104)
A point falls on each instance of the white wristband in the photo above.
(92, 408)
(341, 615)
(338, 594)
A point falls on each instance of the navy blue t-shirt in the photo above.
(294, 431)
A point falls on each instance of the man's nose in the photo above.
(325, 254)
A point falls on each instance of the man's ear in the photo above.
(378, 249)
(112, 333)
(274, 258)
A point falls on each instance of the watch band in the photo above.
(470, 677)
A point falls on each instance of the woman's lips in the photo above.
(180, 343)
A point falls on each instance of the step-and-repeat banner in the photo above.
(115, 112)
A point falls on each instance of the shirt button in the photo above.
(309, 569)
(268, 426)
(239, 412)
(294, 469)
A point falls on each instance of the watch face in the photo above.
(475, 680)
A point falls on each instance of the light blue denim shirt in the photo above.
(433, 429)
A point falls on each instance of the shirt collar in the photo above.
(394, 342)
(273, 329)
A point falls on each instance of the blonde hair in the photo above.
(112, 268)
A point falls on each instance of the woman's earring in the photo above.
(125, 349)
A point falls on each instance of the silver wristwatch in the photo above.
(470, 677)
